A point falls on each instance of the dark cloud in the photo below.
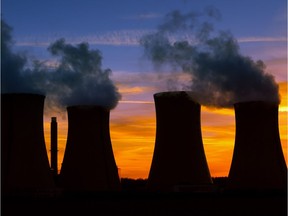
(78, 78)
(220, 74)
(15, 77)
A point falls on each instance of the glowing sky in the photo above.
(114, 27)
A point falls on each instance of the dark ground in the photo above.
(134, 200)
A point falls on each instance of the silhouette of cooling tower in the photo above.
(25, 165)
(179, 157)
(258, 162)
(89, 163)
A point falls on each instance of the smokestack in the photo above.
(258, 162)
(54, 146)
(89, 163)
(179, 157)
(25, 164)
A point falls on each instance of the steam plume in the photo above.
(15, 76)
(78, 78)
(220, 75)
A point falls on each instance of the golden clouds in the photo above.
(131, 90)
(133, 137)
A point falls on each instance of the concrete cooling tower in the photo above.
(24, 160)
(89, 163)
(258, 162)
(179, 157)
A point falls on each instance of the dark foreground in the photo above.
(147, 203)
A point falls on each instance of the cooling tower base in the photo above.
(24, 160)
(258, 162)
(89, 163)
(179, 157)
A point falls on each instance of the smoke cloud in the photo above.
(15, 76)
(220, 74)
(77, 78)
(80, 77)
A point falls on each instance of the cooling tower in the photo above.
(258, 162)
(179, 157)
(25, 165)
(89, 163)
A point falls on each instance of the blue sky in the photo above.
(115, 26)
(244, 18)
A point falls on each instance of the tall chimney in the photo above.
(89, 163)
(258, 162)
(25, 164)
(179, 157)
(54, 146)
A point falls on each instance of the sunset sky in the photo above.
(115, 27)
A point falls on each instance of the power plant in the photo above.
(24, 160)
(89, 163)
(179, 157)
(258, 162)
